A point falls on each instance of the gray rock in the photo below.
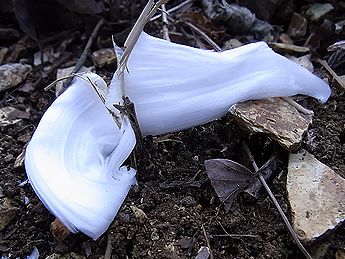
(298, 26)
(316, 195)
(317, 11)
(103, 57)
(13, 74)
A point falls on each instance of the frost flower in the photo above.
(74, 160)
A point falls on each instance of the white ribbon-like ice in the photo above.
(175, 87)
(74, 160)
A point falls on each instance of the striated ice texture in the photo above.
(74, 160)
(175, 87)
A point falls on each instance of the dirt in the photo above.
(179, 212)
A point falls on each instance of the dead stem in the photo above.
(207, 240)
(203, 35)
(165, 27)
(175, 8)
(275, 202)
(86, 51)
(332, 72)
(299, 107)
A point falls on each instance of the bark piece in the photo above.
(274, 117)
(316, 195)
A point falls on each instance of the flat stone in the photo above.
(7, 212)
(103, 57)
(317, 11)
(275, 117)
(316, 195)
(13, 74)
(298, 26)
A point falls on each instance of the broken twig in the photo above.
(299, 107)
(332, 72)
(273, 199)
(172, 9)
(203, 35)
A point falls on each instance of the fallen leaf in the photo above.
(228, 179)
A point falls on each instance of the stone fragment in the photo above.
(340, 254)
(275, 117)
(103, 57)
(304, 61)
(203, 253)
(316, 195)
(154, 235)
(7, 212)
(317, 11)
(288, 48)
(297, 26)
(231, 44)
(59, 231)
(284, 38)
(13, 74)
(10, 116)
(138, 213)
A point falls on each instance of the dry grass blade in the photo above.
(273, 199)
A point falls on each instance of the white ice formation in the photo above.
(74, 160)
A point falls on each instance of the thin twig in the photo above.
(233, 235)
(86, 51)
(165, 27)
(275, 202)
(332, 72)
(236, 235)
(175, 8)
(202, 34)
(87, 48)
(299, 107)
(207, 240)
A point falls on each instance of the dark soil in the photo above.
(183, 213)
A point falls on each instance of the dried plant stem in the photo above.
(299, 107)
(149, 10)
(175, 8)
(202, 34)
(332, 72)
(207, 240)
(165, 24)
(275, 202)
(83, 56)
